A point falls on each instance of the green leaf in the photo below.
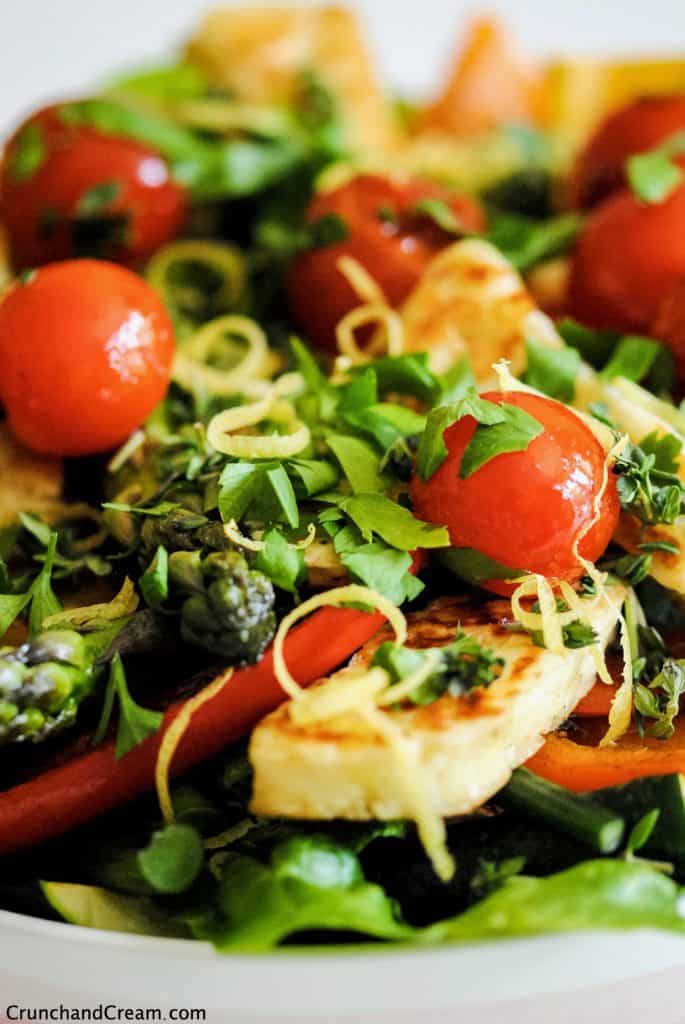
(154, 582)
(360, 393)
(307, 365)
(475, 567)
(173, 859)
(654, 175)
(168, 82)
(136, 723)
(516, 431)
(44, 601)
(311, 883)
(27, 154)
(406, 375)
(632, 358)
(593, 894)
(665, 448)
(441, 214)
(456, 382)
(161, 509)
(11, 606)
(239, 484)
(284, 494)
(641, 831)
(383, 569)
(376, 514)
(95, 201)
(526, 242)
(552, 371)
(312, 476)
(281, 562)
(432, 449)
(359, 462)
(594, 346)
(327, 230)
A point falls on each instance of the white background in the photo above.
(53, 48)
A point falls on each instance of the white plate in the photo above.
(45, 964)
(50, 50)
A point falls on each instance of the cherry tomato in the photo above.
(386, 234)
(526, 510)
(640, 126)
(85, 354)
(669, 326)
(68, 190)
(627, 259)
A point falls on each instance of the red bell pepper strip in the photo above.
(94, 783)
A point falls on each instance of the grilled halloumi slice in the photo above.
(465, 747)
(28, 482)
(260, 52)
(471, 301)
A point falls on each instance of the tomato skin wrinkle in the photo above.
(385, 235)
(525, 509)
(141, 206)
(86, 349)
(635, 128)
(628, 257)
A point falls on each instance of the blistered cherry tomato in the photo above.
(525, 510)
(85, 355)
(669, 327)
(642, 125)
(628, 257)
(68, 190)
(387, 234)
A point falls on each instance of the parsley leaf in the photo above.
(283, 563)
(552, 371)
(513, 433)
(376, 514)
(659, 699)
(44, 601)
(358, 461)
(654, 175)
(633, 358)
(432, 449)
(135, 722)
(95, 200)
(526, 242)
(27, 153)
(442, 214)
(462, 666)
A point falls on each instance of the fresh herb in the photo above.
(262, 487)
(552, 371)
(526, 242)
(648, 484)
(594, 346)
(172, 860)
(432, 448)
(527, 192)
(44, 601)
(460, 667)
(513, 433)
(659, 699)
(154, 582)
(375, 564)
(654, 176)
(27, 154)
(96, 199)
(641, 833)
(135, 722)
(631, 568)
(633, 357)
(359, 462)
(442, 214)
(374, 514)
(491, 875)
(281, 562)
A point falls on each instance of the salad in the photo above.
(342, 496)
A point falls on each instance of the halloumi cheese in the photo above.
(465, 747)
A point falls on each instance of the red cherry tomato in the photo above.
(85, 355)
(386, 234)
(627, 259)
(68, 190)
(525, 510)
(640, 126)
(669, 327)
